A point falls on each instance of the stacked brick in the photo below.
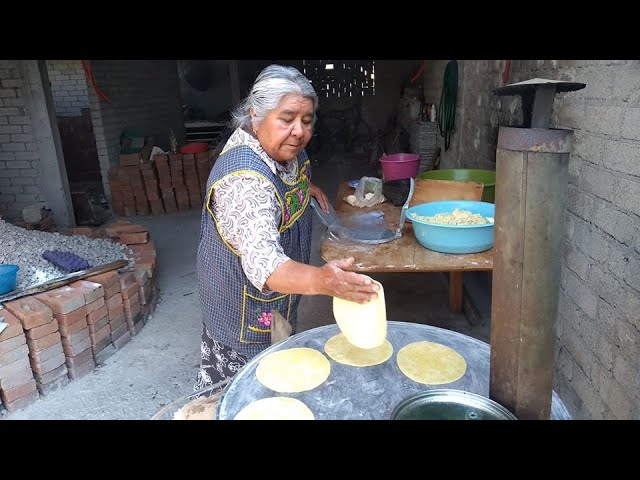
(168, 183)
(46, 356)
(69, 308)
(62, 334)
(119, 330)
(17, 385)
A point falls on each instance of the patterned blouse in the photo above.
(248, 213)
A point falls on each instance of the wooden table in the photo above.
(404, 254)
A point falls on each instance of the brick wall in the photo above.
(145, 96)
(598, 323)
(19, 158)
(68, 87)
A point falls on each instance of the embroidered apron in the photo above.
(234, 311)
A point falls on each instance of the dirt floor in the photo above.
(159, 365)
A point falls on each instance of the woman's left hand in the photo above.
(320, 196)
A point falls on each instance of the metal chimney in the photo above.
(531, 195)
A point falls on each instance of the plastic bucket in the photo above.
(8, 277)
(486, 177)
(399, 166)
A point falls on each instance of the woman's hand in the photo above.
(320, 196)
(352, 286)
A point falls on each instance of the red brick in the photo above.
(72, 317)
(54, 385)
(114, 302)
(44, 355)
(144, 293)
(97, 315)
(82, 369)
(115, 230)
(15, 374)
(133, 311)
(118, 321)
(14, 393)
(73, 350)
(141, 276)
(76, 338)
(132, 300)
(106, 279)
(86, 231)
(116, 313)
(52, 375)
(92, 291)
(79, 359)
(12, 343)
(62, 300)
(14, 355)
(47, 341)
(101, 345)
(112, 290)
(42, 330)
(130, 293)
(49, 365)
(148, 247)
(95, 305)
(105, 332)
(133, 238)
(126, 280)
(148, 266)
(22, 402)
(15, 326)
(101, 356)
(70, 330)
(30, 311)
(95, 327)
(119, 331)
(122, 340)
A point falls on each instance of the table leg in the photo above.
(455, 292)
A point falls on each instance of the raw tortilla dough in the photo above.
(275, 408)
(363, 324)
(339, 349)
(293, 370)
(431, 363)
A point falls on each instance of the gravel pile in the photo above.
(24, 248)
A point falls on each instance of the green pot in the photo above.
(486, 177)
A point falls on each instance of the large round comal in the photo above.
(446, 238)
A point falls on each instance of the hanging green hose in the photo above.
(446, 115)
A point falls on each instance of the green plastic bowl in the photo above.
(486, 177)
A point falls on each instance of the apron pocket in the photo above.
(257, 317)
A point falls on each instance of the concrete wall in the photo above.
(31, 162)
(598, 323)
(19, 156)
(68, 87)
(145, 97)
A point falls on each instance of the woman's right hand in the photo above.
(337, 282)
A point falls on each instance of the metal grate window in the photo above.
(341, 78)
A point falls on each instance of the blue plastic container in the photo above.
(453, 238)
(8, 277)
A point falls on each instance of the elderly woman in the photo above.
(255, 237)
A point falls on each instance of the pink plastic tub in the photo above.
(399, 166)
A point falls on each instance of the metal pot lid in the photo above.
(449, 404)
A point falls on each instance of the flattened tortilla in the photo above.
(275, 408)
(363, 324)
(293, 370)
(342, 351)
(431, 363)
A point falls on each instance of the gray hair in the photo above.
(270, 86)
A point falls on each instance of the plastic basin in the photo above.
(8, 277)
(486, 177)
(399, 166)
(453, 238)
